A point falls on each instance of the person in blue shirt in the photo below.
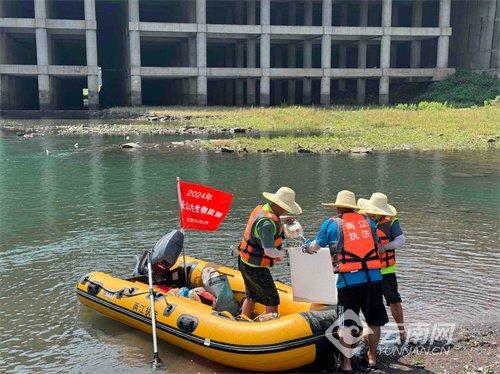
(352, 240)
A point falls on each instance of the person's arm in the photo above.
(265, 230)
(324, 237)
(398, 241)
(396, 233)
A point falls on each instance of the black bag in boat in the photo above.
(225, 300)
(163, 255)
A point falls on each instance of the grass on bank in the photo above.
(420, 127)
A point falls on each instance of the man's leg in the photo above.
(247, 307)
(373, 340)
(345, 336)
(375, 315)
(397, 314)
(393, 300)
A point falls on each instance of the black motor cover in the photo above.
(165, 252)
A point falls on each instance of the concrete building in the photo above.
(228, 52)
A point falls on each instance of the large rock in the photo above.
(361, 150)
(130, 145)
(301, 149)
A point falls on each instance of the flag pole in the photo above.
(181, 229)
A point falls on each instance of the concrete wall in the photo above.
(199, 52)
(475, 43)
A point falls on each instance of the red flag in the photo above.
(201, 207)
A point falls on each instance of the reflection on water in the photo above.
(95, 206)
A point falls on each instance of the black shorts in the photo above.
(366, 297)
(390, 288)
(259, 285)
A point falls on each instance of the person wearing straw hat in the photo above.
(352, 240)
(390, 237)
(260, 248)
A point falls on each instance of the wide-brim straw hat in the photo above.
(377, 205)
(345, 199)
(285, 198)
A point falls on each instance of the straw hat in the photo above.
(285, 198)
(345, 199)
(377, 205)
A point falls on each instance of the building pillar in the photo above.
(251, 55)
(307, 55)
(42, 56)
(326, 52)
(265, 50)
(265, 46)
(416, 45)
(385, 52)
(443, 40)
(361, 82)
(91, 52)
(362, 49)
(135, 53)
(201, 52)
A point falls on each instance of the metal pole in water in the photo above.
(156, 361)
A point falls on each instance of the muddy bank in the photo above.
(473, 350)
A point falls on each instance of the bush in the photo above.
(424, 105)
(464, 88)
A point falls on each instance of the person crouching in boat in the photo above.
(261, 248)
(390, 237)
(352, 240)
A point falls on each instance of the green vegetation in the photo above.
(432, 126)
(463, 89)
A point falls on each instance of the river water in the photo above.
(65, 211)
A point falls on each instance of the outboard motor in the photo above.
(163, 255)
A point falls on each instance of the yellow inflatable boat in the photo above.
(295, 339)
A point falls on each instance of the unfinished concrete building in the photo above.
(73, 54)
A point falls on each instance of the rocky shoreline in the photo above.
(290, 130)
(473, 350)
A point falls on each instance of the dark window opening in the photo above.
(68, 50)
(21, 47)
(164, 53)
(163, 91)
(21, 93)
(66, 9)
(17, 9)
(69, 93)
(167, 11)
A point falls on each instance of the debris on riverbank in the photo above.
(302, 130)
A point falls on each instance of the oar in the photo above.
(156, 361)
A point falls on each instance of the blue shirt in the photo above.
(327, 235)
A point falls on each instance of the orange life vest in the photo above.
(356, 248)
(251, 250)
(388, 258)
